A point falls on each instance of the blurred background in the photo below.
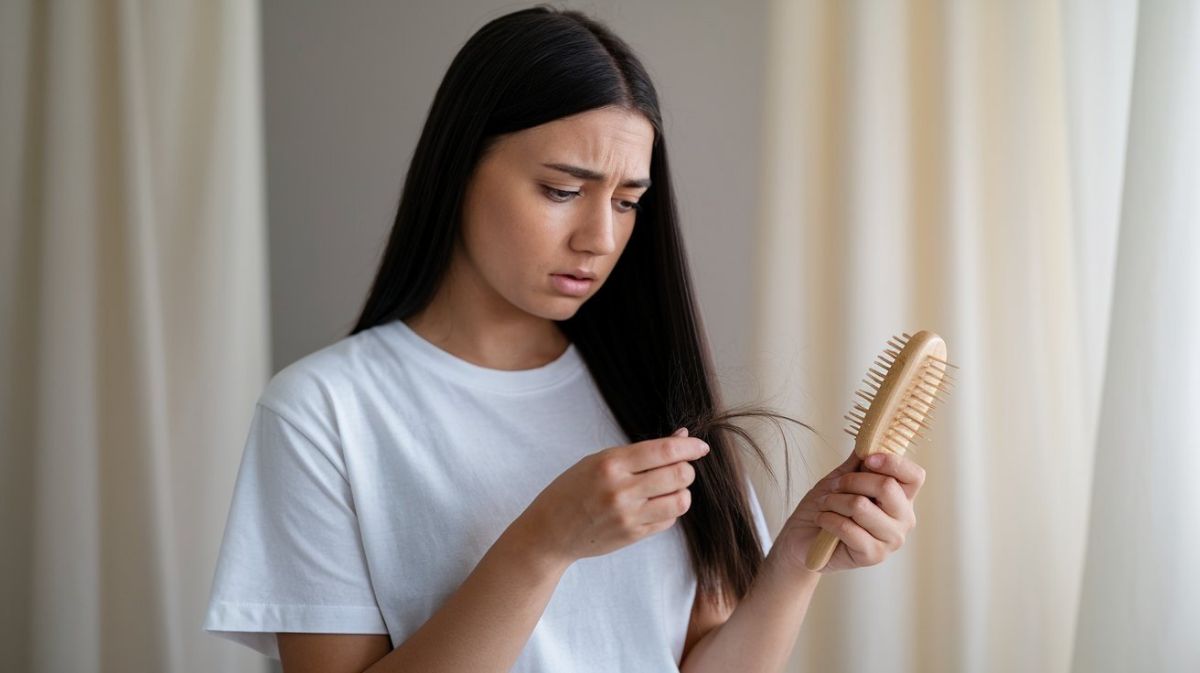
(196, 193)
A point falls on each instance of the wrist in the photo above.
(789, 567)
(522, 540)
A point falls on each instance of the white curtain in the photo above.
(1140, 607)
(1021, 177)
(134, 335)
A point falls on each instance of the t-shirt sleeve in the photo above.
(760, 520)
(291, 558)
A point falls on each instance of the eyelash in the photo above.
(562, 195)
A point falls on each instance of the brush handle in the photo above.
(821, 550)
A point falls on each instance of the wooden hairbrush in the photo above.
(909, 379)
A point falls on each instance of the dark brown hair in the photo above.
(641, 333)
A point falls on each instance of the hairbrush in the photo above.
(909, 378)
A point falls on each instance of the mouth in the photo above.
(568, 284)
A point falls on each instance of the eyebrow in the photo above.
(588, 174)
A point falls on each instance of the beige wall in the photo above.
(347, 89)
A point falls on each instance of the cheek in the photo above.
(513, 241)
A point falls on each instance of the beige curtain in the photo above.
(1021, 177)
(134, 324)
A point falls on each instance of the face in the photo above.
(559, 198)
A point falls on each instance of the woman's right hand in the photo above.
(615, 497)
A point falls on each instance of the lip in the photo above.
(578, 272)
(568, 285)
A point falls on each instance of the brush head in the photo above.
(907, 381)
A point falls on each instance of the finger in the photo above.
(655, 527)
(863, 548)
(652, 453)
(662, 480)
(866, 514)
(883, 488)
(665, 506)
(910, 475)
(851, 464)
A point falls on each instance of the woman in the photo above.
(487, 473)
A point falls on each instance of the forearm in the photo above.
(484, 625)
(759, 635)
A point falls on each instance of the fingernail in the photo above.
(707, 448)
(875, 460)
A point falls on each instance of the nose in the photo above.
(595, 232)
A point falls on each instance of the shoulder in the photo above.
(309, 392)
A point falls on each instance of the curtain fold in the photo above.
(1140, 606)
(966, 168)
(134, 324)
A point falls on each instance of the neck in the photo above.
(469, 320)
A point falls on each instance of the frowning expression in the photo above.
(556, 200)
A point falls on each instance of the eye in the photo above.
(559, 195)
(564, 195)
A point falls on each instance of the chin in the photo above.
(561, 309)
(568, 310)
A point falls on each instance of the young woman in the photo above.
(518, 459)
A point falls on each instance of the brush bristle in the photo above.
(927, 387)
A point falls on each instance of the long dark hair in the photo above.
(641, 333)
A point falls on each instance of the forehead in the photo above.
(604, 139)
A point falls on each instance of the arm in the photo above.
(607, 500)
(869, 511)
(759, 634)
(482, 626)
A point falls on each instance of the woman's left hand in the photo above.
(871, 512)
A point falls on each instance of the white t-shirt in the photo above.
(379, 469)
